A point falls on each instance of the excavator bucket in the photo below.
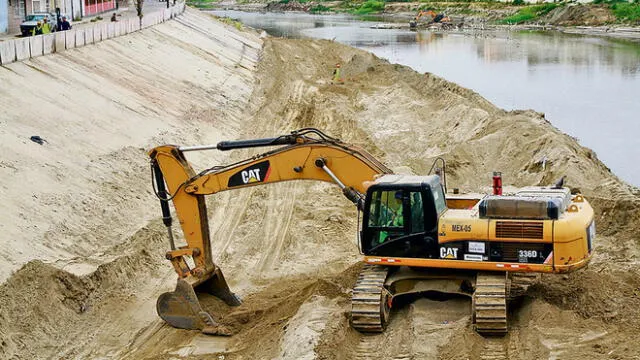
(181, 309)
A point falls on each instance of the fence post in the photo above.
(36, 44)
(70, 39)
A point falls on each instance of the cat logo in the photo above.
(448, 253)
(250, 176)
(255, 173)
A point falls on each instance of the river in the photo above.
(587, 86)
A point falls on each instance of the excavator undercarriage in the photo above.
(378, 287)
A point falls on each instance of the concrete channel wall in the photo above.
(25, 48)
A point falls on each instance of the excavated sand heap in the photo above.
(288, 249)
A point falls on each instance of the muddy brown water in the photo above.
(587, 86)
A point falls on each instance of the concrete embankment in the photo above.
(99, 108)
(81, 202)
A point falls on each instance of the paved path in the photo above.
(123, 13)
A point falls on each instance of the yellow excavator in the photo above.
(416, 237)
(432, 17)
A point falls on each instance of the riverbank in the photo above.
(593, 19)
(82, 205)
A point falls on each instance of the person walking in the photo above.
(337, 75)
(64, 24)
(46, 27)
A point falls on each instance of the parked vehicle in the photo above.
(27, 26)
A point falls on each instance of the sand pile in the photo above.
(580, 14)
(289, 250)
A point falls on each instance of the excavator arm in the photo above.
(307, 154)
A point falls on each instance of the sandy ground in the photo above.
(88, 217)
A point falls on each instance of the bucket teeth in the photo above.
(180, 308)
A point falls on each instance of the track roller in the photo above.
(489, 304)
(370, 300)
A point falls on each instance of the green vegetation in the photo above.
(202, 4)
(229, 21)
(623, 10)
(529, 13)
(626, 11)
(609, 2)
(477, 2)
(370, 6)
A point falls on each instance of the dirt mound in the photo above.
(412, 119)
(49, 312)
(271, 323)
(579, 14)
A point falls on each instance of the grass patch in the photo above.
(202, 4)
(623, 10)
(370, 6)
(609, 2)
(463, 1)
(229, 21)
(529, 13)
(626, 11)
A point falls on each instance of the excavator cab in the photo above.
(401, 216)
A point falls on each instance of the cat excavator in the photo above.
(431, 16)
(416, 237)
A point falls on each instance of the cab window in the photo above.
(417, 212)
(438, 199)
(386, 209)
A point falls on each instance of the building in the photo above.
(13, 12)
(92, 7)
(4, 16)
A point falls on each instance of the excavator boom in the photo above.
(307, 154)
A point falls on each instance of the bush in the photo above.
(626, 11)
(518, 2)
(369, 7)
(609, 2)
(529, 13)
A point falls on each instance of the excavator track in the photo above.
(490, 304)
(519, 283)
(370, 301)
